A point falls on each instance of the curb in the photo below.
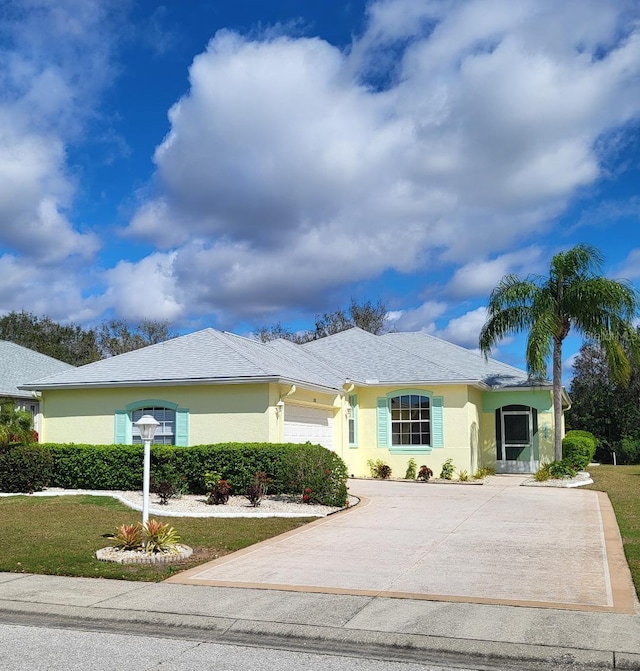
(481, 654)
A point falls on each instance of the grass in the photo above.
(622, 484)
(59, 536)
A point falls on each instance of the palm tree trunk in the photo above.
(557, 398)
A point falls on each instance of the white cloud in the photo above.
(144, 290)
(479, 278)
(630, 267)
(54, 62)
(292, 169)
(422, 318)
(465, 330)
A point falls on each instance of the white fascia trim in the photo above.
(415, 383)
(178, 383)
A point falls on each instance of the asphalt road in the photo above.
(25, 648)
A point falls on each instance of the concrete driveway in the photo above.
(495, 543)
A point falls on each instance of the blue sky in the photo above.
(242, 163)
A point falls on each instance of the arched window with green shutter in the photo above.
(173, 422)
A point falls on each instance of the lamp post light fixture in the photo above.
(147, 426)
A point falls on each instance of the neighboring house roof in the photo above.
(206, 356)
(211, 356)
(20, 365)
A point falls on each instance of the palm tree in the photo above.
(573, 296)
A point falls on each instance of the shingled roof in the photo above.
(210, 356)
(20, 365)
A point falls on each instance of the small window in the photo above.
(166, 431)
(352, 419)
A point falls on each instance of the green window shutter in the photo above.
(122, 429)
(182, 427)
(382, 416)
(437, 422)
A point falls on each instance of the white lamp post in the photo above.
(147, 425)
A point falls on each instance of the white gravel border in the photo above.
(194, 505)
(111, 554)
(581, 479)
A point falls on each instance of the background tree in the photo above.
(599, 404)
(78, 346)
(116, 336)
(69, 343)
(366, 315)
(573, 296)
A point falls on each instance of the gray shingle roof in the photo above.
(469, 364)
(214, 356)
(20, 365)
(206, 356)
(365, 357)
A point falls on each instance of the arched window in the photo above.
(165, 433)
(173, 421)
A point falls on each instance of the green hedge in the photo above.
(293, 468)
(578, 448)
(25, 468)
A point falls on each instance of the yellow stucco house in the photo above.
(391, 397)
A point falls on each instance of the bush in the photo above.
(448, 469)
(425, 473)
(578, 448)
(318, 469)
(628, 451)
(561, 469)
(411, 470)
(25, 468)
(291, 467)
(379, 469)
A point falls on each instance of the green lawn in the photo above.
(622, 484)
(59, 535)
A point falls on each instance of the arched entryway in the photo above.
(517, 439)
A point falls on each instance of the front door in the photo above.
(515, 453)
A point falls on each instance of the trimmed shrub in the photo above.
(318, 469)
(578, 448)
(25, 468)
(290, 467)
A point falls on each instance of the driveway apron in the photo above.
(493, 543)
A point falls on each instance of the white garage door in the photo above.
(308, 424)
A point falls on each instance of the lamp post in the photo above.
(147, 425)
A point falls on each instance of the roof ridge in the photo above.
(229, 339)
(309, 355)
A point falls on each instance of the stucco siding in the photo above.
(459, 412)
(216, 413)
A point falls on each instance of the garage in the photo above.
(302, 424)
